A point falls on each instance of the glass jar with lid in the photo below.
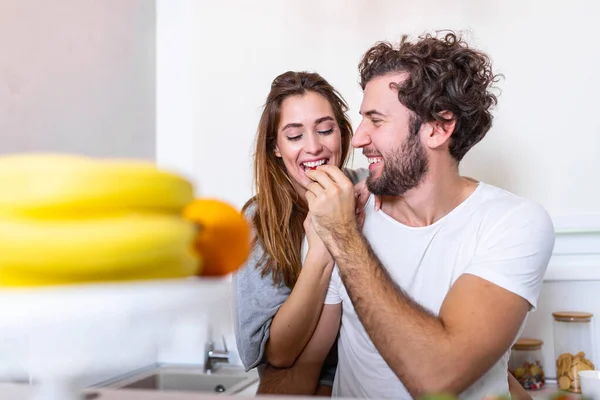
(573, 347)
(525, 363)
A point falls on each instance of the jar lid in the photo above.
(528, 344)
(572, 316)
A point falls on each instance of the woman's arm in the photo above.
(302, 378)
(259, 301)
(256, 301)
(295, 321)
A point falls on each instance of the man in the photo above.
(437, 286)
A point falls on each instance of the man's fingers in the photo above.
(315, 188)
(334, 173)
(310, 198)
(321, 178)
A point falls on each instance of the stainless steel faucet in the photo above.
(212, 356)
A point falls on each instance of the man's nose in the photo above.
(361, 137)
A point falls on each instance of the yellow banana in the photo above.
(73, 219)
(186, 264)
(53, 185)
(92, 247)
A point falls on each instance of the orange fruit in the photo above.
(223, 239)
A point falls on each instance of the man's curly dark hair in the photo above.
(444, 74)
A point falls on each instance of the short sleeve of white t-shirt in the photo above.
(333, 292)
(515, 250)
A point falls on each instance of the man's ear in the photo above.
(441, 130)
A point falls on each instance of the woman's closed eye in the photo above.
(327, 132)
(294, 138)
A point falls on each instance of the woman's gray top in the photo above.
(257, 300)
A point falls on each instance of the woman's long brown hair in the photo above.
(280, 212)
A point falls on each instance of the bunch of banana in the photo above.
(71, 219)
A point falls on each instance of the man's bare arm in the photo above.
(477, 323)
(478, 320)
(302, 378)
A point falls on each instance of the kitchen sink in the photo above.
(184, 382)
(226, 380)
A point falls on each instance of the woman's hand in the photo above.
(361, 192)
(315, 245)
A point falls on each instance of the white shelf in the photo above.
(57, 335)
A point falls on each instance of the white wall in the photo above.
(78, 76)
(237, 48)
(544, 144)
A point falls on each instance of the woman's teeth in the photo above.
(313, 164)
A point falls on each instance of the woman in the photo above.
(281, 290)
(279, 296)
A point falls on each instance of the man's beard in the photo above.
(403, 170)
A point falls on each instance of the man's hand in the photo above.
(331, 202)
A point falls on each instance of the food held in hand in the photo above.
(567, 370)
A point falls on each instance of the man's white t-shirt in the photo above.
(493, 234)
